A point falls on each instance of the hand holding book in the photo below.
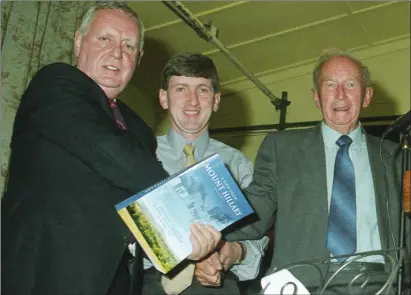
(160, 216)
(232, 253)
(204, 239)
(209, 271)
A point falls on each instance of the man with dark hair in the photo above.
(76, 152)
(191, 65)
(190, 92)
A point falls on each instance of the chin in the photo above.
(193, 129)
(110, 92)
(110, 85)
(109, 81)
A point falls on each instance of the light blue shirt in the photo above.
(368, 236)
(170, 153)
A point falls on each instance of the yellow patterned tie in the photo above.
(184, 278)
(189, 152)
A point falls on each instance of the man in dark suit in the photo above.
(296, 178)
(76, 152)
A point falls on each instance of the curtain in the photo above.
(33, 34)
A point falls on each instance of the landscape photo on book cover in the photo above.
(205, 193)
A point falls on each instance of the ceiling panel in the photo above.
(266, 36)
(256, 19)
(156, 15)
(293, 47)
(362, 5)
(386, 22)
(179, 38)
(153, 13)
(205, 6)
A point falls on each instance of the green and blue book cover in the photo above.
(160, 216)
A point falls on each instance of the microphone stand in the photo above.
(406, 202)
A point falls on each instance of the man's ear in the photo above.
(316, 98)
(77, 43)
(140, 55)
(163, 98)
(216, 103)
(367, 96)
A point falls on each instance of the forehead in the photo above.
(191, 81)
(114, 19)
(340, 66)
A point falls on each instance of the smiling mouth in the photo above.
(111, 68)
(341, 109)
(191, 113)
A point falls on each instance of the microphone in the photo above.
(402, 123)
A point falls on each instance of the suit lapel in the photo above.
(379, 187)
(315, 179)
(97, 93)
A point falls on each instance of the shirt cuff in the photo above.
(249, 267)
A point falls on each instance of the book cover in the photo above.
(160, 216)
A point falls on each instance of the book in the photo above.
(160, 216)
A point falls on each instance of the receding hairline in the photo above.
(332, 53)
(341, 57)
(90, 15)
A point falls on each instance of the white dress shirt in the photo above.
(368, 236)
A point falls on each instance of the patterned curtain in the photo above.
(33, 34)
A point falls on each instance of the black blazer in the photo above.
(70, 164)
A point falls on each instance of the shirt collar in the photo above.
(330, 135)
(177, 142)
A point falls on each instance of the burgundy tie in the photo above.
(117, 115)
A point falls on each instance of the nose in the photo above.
(117, 51)
(193, 98)
(340, 92)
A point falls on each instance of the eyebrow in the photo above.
(113, 35)
(186, 84)
(128, 39)
(327, 79)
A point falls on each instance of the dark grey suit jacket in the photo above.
(289, 192)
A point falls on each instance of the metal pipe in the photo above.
(204, 32)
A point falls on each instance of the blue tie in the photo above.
(342, 221)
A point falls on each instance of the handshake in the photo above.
(209, 271)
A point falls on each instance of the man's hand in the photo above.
(204, 239)
(209, 271)
(230, 253)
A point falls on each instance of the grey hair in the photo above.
(101, 5)
(328, 54)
